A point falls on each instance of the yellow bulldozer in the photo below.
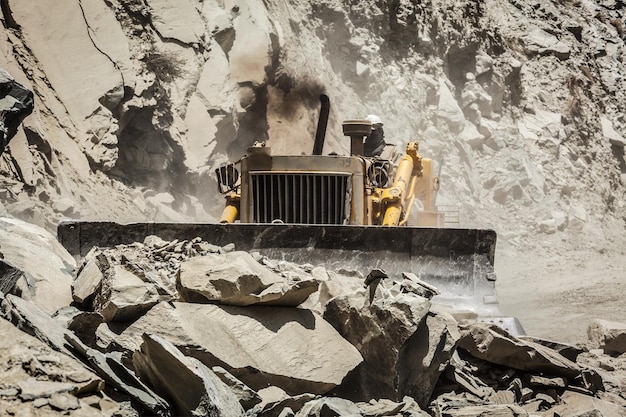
(352, 211)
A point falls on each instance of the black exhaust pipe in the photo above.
(320, 135)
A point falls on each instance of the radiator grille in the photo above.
(309, 198)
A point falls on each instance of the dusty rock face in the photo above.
(170, 93)
(16, 104)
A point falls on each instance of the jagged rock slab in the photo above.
(235, 278)
(185, 381)
(571, 352)
(28, 317)
(34, 370)
(124, 296)
(328, 406)
(384, 407)
(452, 405)
(50, 277)
(425, 356)
(87, 283)
(491, 343)
(8, 277)
(287, 347)
(248, 398)
(110, 368)
(16, 102)
(575, 404)
(379, 322)
(277, 403)
(608, 335)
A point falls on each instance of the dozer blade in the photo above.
(459, 262)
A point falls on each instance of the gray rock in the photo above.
(31, 319)
(189, 384)
(235, 278)
(425, 355)
(88, 281)
(379, 330)
(247, 397)
(8, 277)
(287, 347)
(448, 108)
(493, 344)
(16, 102)
(576, 404)
(63, 402)
(277, 403)
(329, 407)
(538, 41)
(110, 368)
(452, 405)
(610, 134)
(608, 335)
(33, 389)
(383, 407)
(570, 352)
(49, 278)
(124, 296)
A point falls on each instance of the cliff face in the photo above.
(137, 101)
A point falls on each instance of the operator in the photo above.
(375, 145)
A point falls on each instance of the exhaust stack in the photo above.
(320, 135)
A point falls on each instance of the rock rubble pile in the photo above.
(190, 328)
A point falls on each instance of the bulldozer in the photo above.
(353, 211)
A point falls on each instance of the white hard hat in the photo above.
(374, 120)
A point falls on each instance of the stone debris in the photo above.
(608, 335)
(111, 369)
(156, 322)
(187, 383)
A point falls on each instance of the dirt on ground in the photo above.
(556, 297)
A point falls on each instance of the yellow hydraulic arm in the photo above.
(409, 169)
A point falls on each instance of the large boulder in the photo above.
(46, 281)
(491, 343)
(190, 385)
(125, 296)
(291, 348)
(400, 341)
(235, 278)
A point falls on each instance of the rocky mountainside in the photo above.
(136, 102)
(520, 102)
